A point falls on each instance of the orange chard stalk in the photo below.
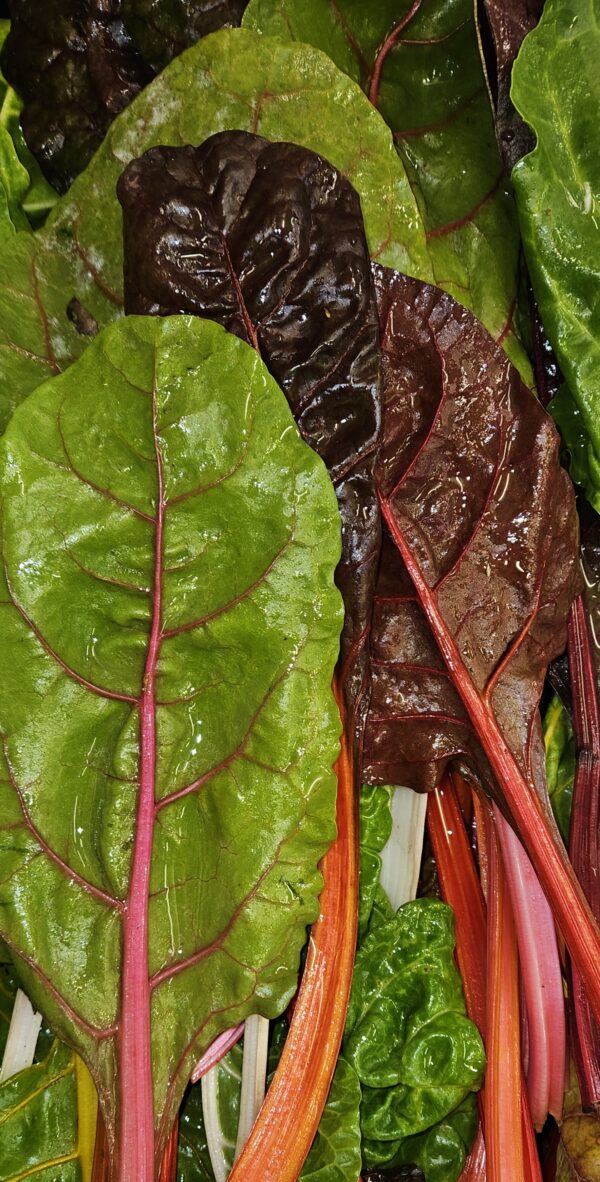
(503, 1105)
(289, 1117)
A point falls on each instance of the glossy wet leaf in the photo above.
(439, 1152)
(25, 197)
(231, 79)
(407, 997)
(469, 467)
(167, 429)
(432, 94)
(556, 88)
(268, 240)
(560, 763)
(77, 64)
(39, 1133)
(375, 829)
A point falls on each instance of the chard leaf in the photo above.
(23, 190)
(158, 495)
(432, 95)
(407, 997)
(231, 79)
(439, 1153)
(560, 763)
(77, 65)
(268, 240)
(556, 88)
(497, 529)
(41, 1132)
(375, 829)
(483, 518)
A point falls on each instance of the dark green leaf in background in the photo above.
(249, 621)
(433, 97)
(556, 88)
(231, 79)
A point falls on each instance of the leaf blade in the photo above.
(191, 946)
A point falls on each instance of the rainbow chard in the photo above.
(159, 498)
(493, 569)
(268, 240)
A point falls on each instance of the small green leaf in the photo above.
(38, 1121)
(169, 544)
(231, 79)
(375, 829)
(433, 96)
(560, 763)
(407, 997)
(556, 89)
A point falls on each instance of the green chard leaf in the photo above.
(231, 79)
(47, 1120)
(159, 498)
(375, 829)
(560, 762)
(556, 89)
(440, 1152)
(407, 997)
(432, 94)
(25, 197)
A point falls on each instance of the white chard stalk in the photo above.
(22, 1037)
(254, 1076)
(401, 855)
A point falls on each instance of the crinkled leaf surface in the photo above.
(432, 94)
(231, 79)
(77, 63)
(407, 998)
(26, 191)
(39, 1134)
(268, 240)
(469, 469)
(560, 763)
(439, 1152)
(169, 626)
(375, 829)
(556, 88)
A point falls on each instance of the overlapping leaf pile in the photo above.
(158, 495)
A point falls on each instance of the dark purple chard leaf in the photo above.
(163, 30)
(78, 63)
(484, 519)
(509, 22)
(492, 519)
(268, 240)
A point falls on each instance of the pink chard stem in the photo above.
(542, 979)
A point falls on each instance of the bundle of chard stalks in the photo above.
(300, 608)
